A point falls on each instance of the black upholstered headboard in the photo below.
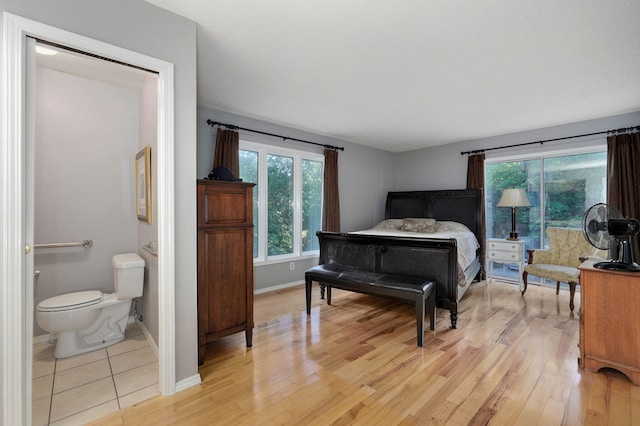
(458, 205)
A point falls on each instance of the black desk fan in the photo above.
(605, 228)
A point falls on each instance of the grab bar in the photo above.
(150, 248)
(83, 243)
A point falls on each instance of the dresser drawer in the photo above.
(504, 251)
(504, 256)
(503, 246)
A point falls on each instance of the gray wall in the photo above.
(367, 174)
(442, 167)
(148, 232)
(141, 27)
(86, 139)
(364, 173)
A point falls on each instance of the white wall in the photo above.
(144, 28)
(86, 137)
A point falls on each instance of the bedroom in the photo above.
(366, 174)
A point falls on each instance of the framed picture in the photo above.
(143, 184)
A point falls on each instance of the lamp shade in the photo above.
(513, 197)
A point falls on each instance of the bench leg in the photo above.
(420, 302)
(421, 306)
(431, 301)
(308, 283)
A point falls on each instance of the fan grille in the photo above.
(594, 225)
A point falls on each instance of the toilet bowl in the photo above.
(84, 321)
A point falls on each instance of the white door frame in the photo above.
(17, 309)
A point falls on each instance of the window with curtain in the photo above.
(560, 188)
(287, 207)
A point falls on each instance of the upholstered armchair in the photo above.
(567, 249)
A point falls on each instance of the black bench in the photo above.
(404, 287)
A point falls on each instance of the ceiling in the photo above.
(406, 74)
(85, 66)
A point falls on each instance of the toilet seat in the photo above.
(65, 302)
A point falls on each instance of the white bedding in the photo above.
(466, 241)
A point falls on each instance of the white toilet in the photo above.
(88, 320)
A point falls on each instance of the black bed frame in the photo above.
(429, 258)
(457, 205)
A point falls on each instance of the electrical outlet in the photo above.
(292, 266)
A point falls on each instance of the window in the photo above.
(560, 189)
(312, 175)
(287, 200)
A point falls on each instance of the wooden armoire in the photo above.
(225, 261)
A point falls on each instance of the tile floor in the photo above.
(75, 390)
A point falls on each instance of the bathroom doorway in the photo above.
(18, 195)
(91, 118)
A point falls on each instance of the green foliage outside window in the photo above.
(572, 183)
(514, 174)
(280, 195)
(249, 173)
(282, 170)
(312, 175)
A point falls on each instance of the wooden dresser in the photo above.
(225, 261)
(610, 321)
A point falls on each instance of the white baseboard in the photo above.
(188, 382)
(277, 287)
(146, 333)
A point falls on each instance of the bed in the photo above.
(448, 250)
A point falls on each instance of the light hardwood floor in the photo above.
(512, 361)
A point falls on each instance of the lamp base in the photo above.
(513, 235)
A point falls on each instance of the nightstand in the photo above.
(505, 251)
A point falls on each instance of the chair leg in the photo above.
(524, 280)
(572, 291)
(557, 287)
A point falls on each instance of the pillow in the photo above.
(445, 226)
(390, 225)
(424, 226)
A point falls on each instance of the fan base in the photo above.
(617, 266)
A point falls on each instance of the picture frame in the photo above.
(143, 184)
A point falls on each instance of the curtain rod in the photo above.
(622, 130)
(284, 138)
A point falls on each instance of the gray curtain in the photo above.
(623, 179)
(226, 153)
(331, 209)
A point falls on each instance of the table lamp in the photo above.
(513, 197)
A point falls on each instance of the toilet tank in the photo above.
(128, 275)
